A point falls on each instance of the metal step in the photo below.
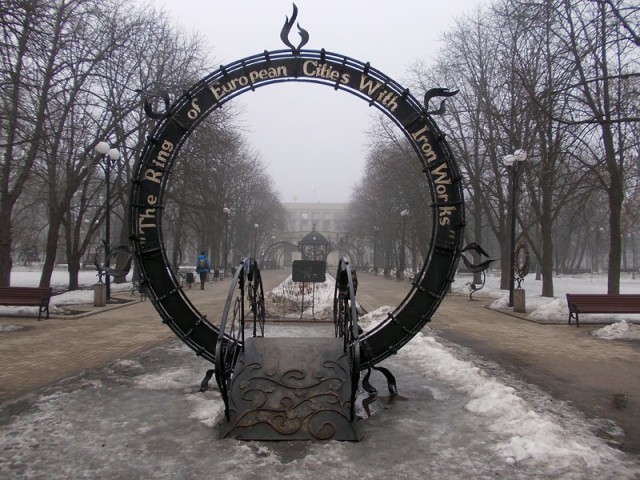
(291, 389)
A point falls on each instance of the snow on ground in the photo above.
(30, 277)
(554, 310)
(517, 434)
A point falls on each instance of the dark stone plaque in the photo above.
(309, 271)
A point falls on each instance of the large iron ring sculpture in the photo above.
(152, 174)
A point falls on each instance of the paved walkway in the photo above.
(44, 352)
(599, 377)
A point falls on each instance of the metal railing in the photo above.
(245, 298)
(345, 319)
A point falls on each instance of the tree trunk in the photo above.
(615, 233)
(122, 259)
(73, 267)
(546, 262)
(546, 234)
(51, 249)
(6, 240)
(477, 229)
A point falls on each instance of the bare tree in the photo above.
(393, 182)
(551, 78)
(29, 63)
(217, 170)
(486, 121)
(601, 54)
(69, 128)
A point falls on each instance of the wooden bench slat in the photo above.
(23, 301)
(27, 296)
(601, 303)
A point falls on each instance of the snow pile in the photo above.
(372, 319)
(317, 298)
(176, 378)
(9, 327)
(527, 435)
(619, 330)
(553, 309)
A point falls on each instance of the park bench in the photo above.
(601, 303)
(27, 296)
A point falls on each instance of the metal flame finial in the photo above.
(286, 30)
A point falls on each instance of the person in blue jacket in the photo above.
(203, 266)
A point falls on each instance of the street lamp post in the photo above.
(513, 162)
(109, 158)
(227, 221)
(404, 213)
(375, 249)
(272, 262)
(633, 259)
(255, 240)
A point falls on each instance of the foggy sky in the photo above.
(312, 138)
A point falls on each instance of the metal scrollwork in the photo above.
(437, 92)
(476, 267)
(148, 107)
(114, 272)
(255, 293)
(522, 260)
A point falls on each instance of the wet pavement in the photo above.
(114, 394)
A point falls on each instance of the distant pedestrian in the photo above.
(203, 267)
